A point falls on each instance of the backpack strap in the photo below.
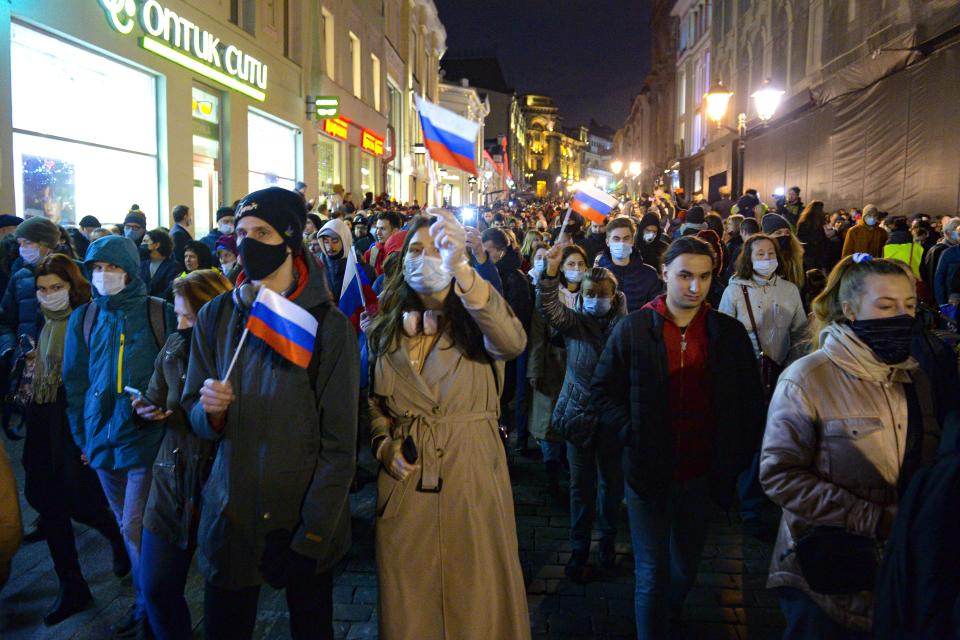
(90, 314)
(157, 314)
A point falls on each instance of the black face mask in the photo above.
(888, 338)
(260, 259)
(186, 334)
(784, 242)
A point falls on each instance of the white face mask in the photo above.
(30, 255)
(225, 228)
(649, 236)
(108, 283)
(620, 250)
(574, 275)
(425, 275)
(56, 301)
(765, 268)
(226, 266)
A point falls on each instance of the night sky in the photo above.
(590, 55)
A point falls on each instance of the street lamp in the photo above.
(616, 166)
(766, 99)
(635, 169)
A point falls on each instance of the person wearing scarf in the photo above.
(59, 484)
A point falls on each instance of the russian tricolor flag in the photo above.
(357, 292)
(450, 139)
(592, 203)
(287, 327)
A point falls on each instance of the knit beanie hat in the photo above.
(135, 216)
(773, 222)
(223, 212)
(40, 230)
(228, 242)
(745, 205)
(281, 209)
(695, 215)
(650, 220)
(8, 220)
(89, 221)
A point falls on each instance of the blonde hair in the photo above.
(846, 283)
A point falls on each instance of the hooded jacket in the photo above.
(121, 353)
(584, 336)
(337, 267)
(900, 246)
(832, 450)
(638, 281)
(652, 251)
(20, 312)
(778, 310)
(285, 454)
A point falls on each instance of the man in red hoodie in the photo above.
(679, 384)
(388, 223)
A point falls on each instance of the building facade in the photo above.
(105, 104)
(460, 187)
(554, 156)
(864, 116)
(692, 82)
(597, 157)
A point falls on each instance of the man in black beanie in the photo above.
(279, 509)
(694, 222)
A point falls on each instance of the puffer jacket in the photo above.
(20, 309)
(585, 337)
(638, 281)
(779, 313)
(121, 353)
(286, 452)
(183, 461)
(832, 451)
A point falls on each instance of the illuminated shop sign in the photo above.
(177, 39)
(336, 128)
(369, 141)
(327, 106)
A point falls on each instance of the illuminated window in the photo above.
(272, 152)
(355, 65)
(329, 44)
(80, 145)
(375, 78)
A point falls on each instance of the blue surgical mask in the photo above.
(30, 255)
(574, 275)
(620, 250)
(597, 307)
(539, 265)
(870, 221)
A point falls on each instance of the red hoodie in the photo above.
(692, 420)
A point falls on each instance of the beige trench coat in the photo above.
(448, 559)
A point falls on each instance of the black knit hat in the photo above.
(695, 215)
(223, 212)
(8, 220)
(90, 221)
(650, 220)
(773, 222)
(280, 208)
(40, 230)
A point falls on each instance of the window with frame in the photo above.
(329, 43)
(355, 66)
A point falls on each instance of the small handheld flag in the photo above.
(287, 327)
(450, 139)
(592, 203)
(357, 292)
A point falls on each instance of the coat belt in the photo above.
(424, 431)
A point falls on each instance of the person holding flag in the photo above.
(343, 269)
(447, 552)
(636, 279)
(273, 378)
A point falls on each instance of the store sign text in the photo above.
(179, 40)
(336, 128)
(369, 141)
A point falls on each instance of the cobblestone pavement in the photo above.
(728, 602)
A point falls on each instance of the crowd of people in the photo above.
(679, 357)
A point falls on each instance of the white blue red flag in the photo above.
(287, 327)
(450, 139)
(593, 203)
(357, 292)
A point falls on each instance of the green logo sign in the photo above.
(327, 106)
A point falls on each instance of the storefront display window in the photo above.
(368, 178)
(272, 152)
(84, 132)
(206, 158)
(328, 164)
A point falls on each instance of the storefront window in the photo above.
(84, 132)
(272, 152)
(206, 159)
(368, 176)
(328, 164)
(395, 118)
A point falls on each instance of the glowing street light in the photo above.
(717, 100)
(635, 169)
(616, 166)
(766, 99)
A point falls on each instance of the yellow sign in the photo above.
(369, 141)
(336, 127)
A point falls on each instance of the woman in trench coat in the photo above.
(447, 550)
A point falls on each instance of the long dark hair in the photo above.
(398, 297)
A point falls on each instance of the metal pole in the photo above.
(741, 149)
